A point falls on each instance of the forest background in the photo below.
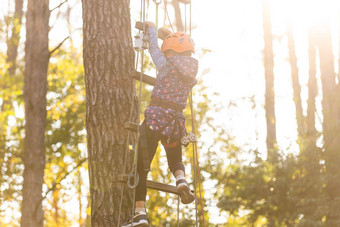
(267, 109)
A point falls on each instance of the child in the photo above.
(164, 120)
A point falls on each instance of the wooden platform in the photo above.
(153, 185)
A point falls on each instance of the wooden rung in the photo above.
(153, 185)
(185, 1)
(139, 25)
(146, 79)
(161, 187)
(163, 33)
(131, 126)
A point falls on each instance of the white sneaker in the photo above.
(140, 219)
(184, 191)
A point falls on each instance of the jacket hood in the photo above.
(186, 66)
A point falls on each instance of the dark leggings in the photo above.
(174, 156)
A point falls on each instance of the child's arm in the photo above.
(157, 56)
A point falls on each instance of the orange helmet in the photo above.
(179, 42)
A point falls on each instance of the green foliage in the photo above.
(11, 138)
(65, 138)
(288, 193)
(65, 129)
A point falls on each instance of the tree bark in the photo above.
(330, 125)
(269, 80)
(110, 92)
(36, 64)
(13, 42)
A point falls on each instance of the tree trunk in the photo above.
(109, 63)
(269, 79)
(330, 125)
(310, 182)
(13, 42)
(36, 64)
(312, 90)
(295, 84)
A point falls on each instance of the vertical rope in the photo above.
(194, 154)
(128, 139)
(138, 114)
(167, 14)
(127, 150)
(178, 210)
(157, 18)
(194, 165)
(197, 171)
(185, 18)
(157, 4)
(190, 19)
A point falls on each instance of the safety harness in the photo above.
(143, 138)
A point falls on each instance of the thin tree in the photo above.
(269, 80)
(312, 89)
(295, 82)
(268, 55)
(330, 124)
(13, 41)
(109, 63)
(309, 182)
(36, 64)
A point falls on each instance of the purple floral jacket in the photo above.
(175, 80)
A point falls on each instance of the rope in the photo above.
(125, 159)
(197, 170)
(167, 14)
(178, 210)
(195, 153)
(134, 168)
(157, 4)
(138, 114)
(185, 18)
(127, 149)
(190, 19)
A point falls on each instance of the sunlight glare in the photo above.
(314, 11)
